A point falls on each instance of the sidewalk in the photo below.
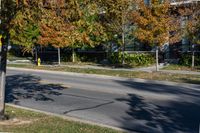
(144, 69)
(147, 69)
(180, 72)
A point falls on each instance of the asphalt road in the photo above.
(146, 107)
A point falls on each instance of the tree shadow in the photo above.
(158, 115)
(191, 81)
(20, 87)
(151, 86)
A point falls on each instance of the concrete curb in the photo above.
(71, 118)
(187, 85)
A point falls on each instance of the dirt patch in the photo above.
(15, 121)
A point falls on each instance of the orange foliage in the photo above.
(154, 23)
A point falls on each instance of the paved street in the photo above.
(143, 106)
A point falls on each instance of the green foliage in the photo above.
(8, 10)
(27, 36)
(186, 60)
(74, 25)
(133, 59)
(116, 18)
(139, 59)
(192, 27)
(115, 58)
(89, 57)
(24, 29)
(57, 23)
(80, 23)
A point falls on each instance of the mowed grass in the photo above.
(179, 67)
(24, 121)
(183, 78)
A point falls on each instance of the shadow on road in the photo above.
(191, 81)
(153, 108)
(29, 87)
(157, 115)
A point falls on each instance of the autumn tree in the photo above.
(153, 23)
(115, 17)
(70, 24)
(61, 24)
(90, 30)
(54, 30)
(8, 10)
(191, 27)
(24, 29)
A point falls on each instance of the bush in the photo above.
(186, 60)
(115, 58)
(143, 59)
(90, 56)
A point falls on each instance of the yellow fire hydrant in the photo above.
(0, 40)
(39, 62)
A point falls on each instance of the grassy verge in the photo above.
(179, 67)
(194, 79)
(23, 121)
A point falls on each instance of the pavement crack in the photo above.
(93, 107)
(85, 97)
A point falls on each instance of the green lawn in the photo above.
(195, 79)
(12, 57)
(23, 121)
(179, 67)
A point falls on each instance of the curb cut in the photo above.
(69, 118)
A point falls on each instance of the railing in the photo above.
(139, 52)
(182, 2)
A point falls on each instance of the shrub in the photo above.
(115, 58)
(186, 60)
(143, 59)
(90, 57)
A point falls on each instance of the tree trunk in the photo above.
(123, 50)
(73, 55)
(193, 59)
(58, 56)
(4, 48)
(157, 62)
(109, 51)
(123, 36)
(36, 56)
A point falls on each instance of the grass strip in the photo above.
(24, 121)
